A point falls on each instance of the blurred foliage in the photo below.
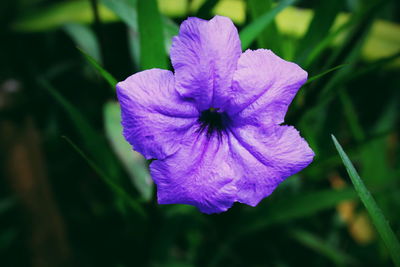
(59, 60)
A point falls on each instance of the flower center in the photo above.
(213, 121)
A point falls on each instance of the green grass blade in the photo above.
(88, 134)
(284, 211)
(381, 224)
(252, 31)
(324, 44)
(105, 74)
(133, 162)
(117, 189)
(324, 17)
(97, 146)
(350, 114)
(348, 73)
(330, 90)
(361, 25)
(300, 206)
(269, 37)
(124, 9)
(170, 30)
(84, 37)
(322, 247)
(94, 142)
(151, 34)
(324, 73)
(52, 16)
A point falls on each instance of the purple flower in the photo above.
(214, 126)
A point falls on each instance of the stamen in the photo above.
(213, 121)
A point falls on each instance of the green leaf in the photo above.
(251, 31)
(133, 162)
(84, 38)
(124, 9)
(351, 116)
(333, 86)
(170, 30)
(324, 43)
(105, 74)
(300, 206)
(93, 141)
(83, 127)
(269, 37)
(286, 210)
(324, 73)
(360, 27)
(109, 181)
(97, 146)
(152, 50)
(134, 46)
(56, 15)
(324, 17)
(381, 224)
(322, 247)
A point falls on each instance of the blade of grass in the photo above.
(346, 74)
(349, 51)
(379, 220)
(351, 116)
(324, 73)
(324, 43)
(117, 189)
(334, 84)
(94, 142)
(127, 12)
(105, 74)
(324, 17)
(81, 124)
(84, 37)
(152, 50)
(251, 31)
(269, 37)
(125, 9)
(284, 211)
(322, 247)
(134, 163)
(300, 206)
(58, 14)
(361, 25)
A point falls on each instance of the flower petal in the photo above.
(201, 174)
(268, 157)
(244, 165)
(154, 116)
(204, 56)
(263, 87)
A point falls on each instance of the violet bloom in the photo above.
(214, 126)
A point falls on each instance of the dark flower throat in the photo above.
(212, 121)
